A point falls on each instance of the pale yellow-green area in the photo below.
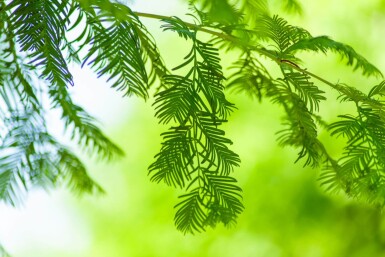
(287, 213)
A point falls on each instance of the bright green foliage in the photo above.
(195, 152)
(360, 171)
(191, 99)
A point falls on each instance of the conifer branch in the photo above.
(195, 153)
(242, 44)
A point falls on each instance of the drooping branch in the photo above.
(244, 44)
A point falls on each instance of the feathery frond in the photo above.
(324, 44)
(191, 214)
(120, 47)
(283, 35)
(195, 147)
(307, 91)
(30, 156)
(250, 76)
(116, 52)
(83, 127)
(301, 130)
(40, 27)
(195, 155)
(33, 45)
(361, 167)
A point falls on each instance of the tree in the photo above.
(190, 98)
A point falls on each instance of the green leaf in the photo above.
(40, 27)
(324, 44)
(83, 126)
(116, 53)
(225, 202)
(195, 102)
(174, 162)
(378, 90)
(250, 77)
(306, 89)
(175, 102)
(280, 32)
(9, 189)
(190, 216)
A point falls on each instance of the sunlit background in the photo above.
(287, 212)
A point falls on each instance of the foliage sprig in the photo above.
(191, 99)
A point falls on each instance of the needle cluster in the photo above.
(36, 49)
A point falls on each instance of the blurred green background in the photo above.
(287, 212)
